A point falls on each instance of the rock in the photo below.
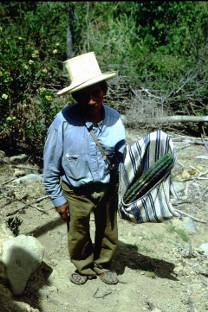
(29, 177)
(204, 248)
(18, 158)
(178, 270)
(19, 173)
(185, 174)
(22, 256)
(178, 186)
(5, 234)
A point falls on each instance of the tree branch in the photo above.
(26, 205)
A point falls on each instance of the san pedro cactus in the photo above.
(149, 178)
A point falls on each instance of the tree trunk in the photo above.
(70, 32)
(172, 119)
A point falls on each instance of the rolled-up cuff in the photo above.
(59, 201)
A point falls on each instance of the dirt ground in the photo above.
(161, 266)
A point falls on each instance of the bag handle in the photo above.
(105, 157)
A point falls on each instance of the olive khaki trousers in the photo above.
(92, 256)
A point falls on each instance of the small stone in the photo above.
(204, 248)
(185, 174)
(19, 173)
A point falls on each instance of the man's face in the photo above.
(90, 99)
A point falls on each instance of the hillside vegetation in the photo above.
(159, 49)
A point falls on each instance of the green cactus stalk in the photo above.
(149, 178)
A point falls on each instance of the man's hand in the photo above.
(63, 211)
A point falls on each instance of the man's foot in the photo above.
(109, 277)
(79, 279)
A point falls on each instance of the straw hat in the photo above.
(84, 71)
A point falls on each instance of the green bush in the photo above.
(31, 50)
(156, 45)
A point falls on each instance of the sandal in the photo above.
(109, 277)
(79, 279)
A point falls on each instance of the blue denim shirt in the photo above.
(70, 153)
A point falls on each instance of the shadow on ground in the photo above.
(10, 302)
(127, 255)
(41, 230)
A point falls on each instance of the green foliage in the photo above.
(150, 274)
(180, 233)
(143, 39)
(29, 64)
(153, 44)
(13, 224)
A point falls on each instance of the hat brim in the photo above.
(76, 87)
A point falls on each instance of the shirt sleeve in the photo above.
(52, 168)
(120, 146)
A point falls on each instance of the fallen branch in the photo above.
(187, 139)
(181, 202)
(188, 215)
(205, 143)
(34, 206)
(102, 294)
(182, 118)
(26, 205)
(42, 210)
(10, 180)
(24, 167)
(203, 193)
(167, 120)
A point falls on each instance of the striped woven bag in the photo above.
(155, 205)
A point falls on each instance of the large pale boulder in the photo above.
(22, 255)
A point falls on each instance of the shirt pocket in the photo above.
(74, 166)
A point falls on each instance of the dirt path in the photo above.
(160, 266)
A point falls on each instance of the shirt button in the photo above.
(67, 156)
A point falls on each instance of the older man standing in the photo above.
(82, 152)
